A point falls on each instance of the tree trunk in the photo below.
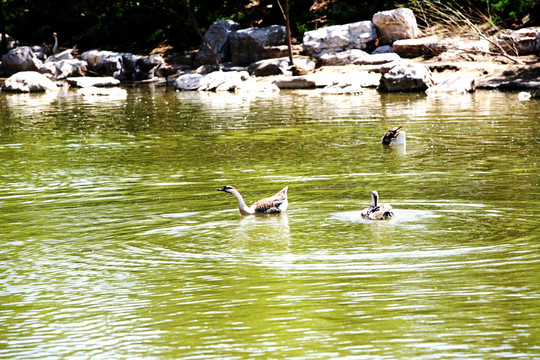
(288, 27)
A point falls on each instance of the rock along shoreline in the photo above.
(388, 53)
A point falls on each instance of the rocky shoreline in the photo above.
(388, 53)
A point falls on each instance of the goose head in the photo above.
(228, 189)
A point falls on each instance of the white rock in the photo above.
(395, 25)
(29, 81)
(83, 82)
(461, 84)
(339, 37)
(222, 81)
(377, 59)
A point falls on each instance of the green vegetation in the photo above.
(140, 25)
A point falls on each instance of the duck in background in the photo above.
(376, 211)
(394, 137)
(273, 205)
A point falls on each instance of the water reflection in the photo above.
(270, 232)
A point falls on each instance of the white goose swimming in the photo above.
(273, 205)
(376, 211)
(394, 137)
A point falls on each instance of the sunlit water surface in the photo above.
(115, 243)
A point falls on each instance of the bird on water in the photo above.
(376, 211)
(394, 137)
(272, 205)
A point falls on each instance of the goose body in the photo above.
(394, 137)
(273, 205)
(376, 211)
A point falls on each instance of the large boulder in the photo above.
(28, 81)
(395, 25)
(339, 38)
(64, 68)
(247, 45)
(402, 76)
(217, 37)
(21, 58)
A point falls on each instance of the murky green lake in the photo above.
(115, 244)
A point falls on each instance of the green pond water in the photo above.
(115, 244)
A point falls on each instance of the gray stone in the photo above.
(403, 77)
(188, 82)
(247, 45)
(395, 25)
(384, 49)
(217, 37)
(29, 81)
(20, 59)
(339, 38)
(64, 68)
